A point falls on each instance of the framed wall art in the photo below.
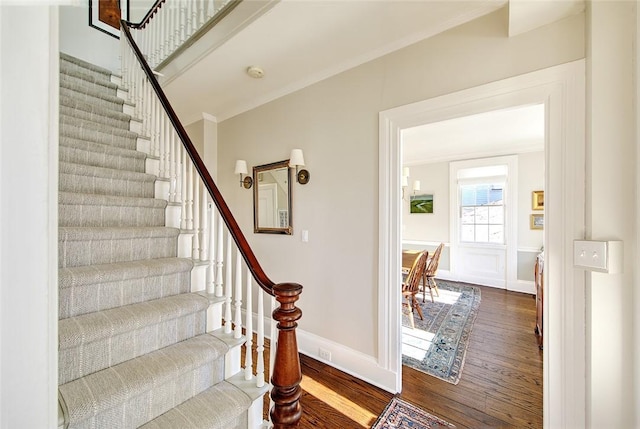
(536, 221)
(105, 15)
(537, 201)
(421, 203)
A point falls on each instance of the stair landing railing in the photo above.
(192, 189)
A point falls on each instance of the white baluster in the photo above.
(194, 17)
(237, 332)
(178, 160)
(183, 21)
(175, 19)
(219, 256)
(260, 341)
(248, 368)
(189, 24)
(183, 189)
(162, 140)
(204, 224)
(211, 273)
(201, 14)
(227, 288)
(173, 181)
(195, 251)
(189, 196)
(211, 9)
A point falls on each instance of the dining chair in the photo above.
(430, 274)
(411, 286)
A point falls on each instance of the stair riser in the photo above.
(88, 358)
(90, 252)
(97, 159)
(87, 298)
(109, 216)
(106, 186)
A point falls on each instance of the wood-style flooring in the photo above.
(500, 387)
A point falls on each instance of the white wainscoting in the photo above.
(483, 265)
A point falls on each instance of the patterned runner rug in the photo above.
(438, 344)
(400, 414)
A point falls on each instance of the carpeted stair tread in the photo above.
(94, 341)
(125, 141)
(70, 102)
(95, 210)
(132, 393)
(99, 180)
(76, 151)
(78, 246)
(111, 173)
(101, 287)
(68, 62)
(67, 121)
(230, 411)
(84, 77)
(92, 95)
(98, 117)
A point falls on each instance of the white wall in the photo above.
(28, 216)
(335, 122)
(434, 179)
(611, 210)
(530, 178)
(80, 40)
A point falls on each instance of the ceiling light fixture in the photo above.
(255, 72)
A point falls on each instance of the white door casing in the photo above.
(562, 90)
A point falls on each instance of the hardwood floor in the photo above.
(500, 387)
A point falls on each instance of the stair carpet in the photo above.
(133, 347)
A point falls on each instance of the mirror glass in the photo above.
(272, 198)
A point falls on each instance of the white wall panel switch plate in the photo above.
(305, 235)
(601, 256)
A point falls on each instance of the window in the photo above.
(482, 213)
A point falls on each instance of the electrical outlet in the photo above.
(325, 354)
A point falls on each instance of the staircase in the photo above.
(133, 346)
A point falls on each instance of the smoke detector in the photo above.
(255, 72)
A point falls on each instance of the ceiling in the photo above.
(501, 132)
(298, 43)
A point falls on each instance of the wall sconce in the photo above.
(405, 180)
(241, 169)
(416, 186)
(297, 160)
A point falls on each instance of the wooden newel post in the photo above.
(286, 392)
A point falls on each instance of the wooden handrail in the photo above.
(286, 392)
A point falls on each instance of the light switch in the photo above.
(305, 235)
(602, 256)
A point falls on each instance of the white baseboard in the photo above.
(345, 359)
(524, 286)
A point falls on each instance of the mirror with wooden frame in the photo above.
(272, 198)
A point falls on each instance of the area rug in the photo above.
(400, 414)
(438, 344)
